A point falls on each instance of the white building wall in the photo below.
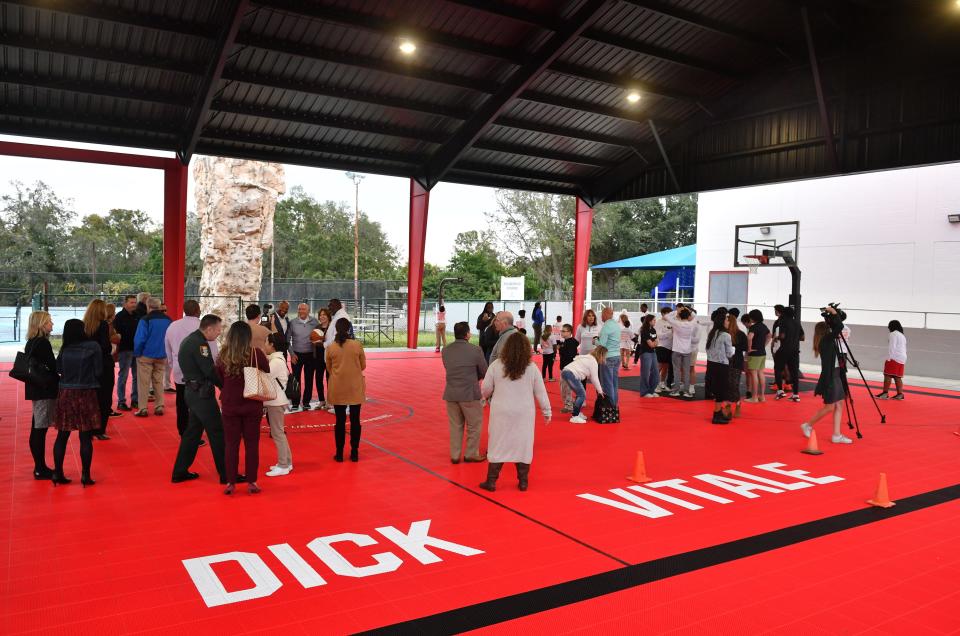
(877, 242)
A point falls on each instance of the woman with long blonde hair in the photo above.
(43, 396)
(512, 383)
(241, 416)
(97, 329)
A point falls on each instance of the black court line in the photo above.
(562, 594)
(495, 502)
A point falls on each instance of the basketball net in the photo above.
(753, 268)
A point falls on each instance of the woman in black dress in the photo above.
(80, 364)
(97, 329)
(833, 375)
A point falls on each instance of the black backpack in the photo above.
(292, 391)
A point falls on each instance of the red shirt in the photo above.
(232, 401)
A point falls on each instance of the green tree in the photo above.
(33, 221)
(475, 260)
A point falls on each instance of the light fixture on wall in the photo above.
(765, 230)
(953, 218)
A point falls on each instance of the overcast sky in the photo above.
(95, 189)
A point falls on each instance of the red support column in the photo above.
(419, 206)
(174, 236)
(581, 257)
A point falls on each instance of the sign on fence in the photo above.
(511, 288)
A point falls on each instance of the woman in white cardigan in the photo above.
(511, 384)
(275, 408)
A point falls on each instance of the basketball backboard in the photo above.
(766, 244)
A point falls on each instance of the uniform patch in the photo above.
(205, 351)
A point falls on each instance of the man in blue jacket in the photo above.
(151, 353)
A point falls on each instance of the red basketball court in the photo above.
(408, 543)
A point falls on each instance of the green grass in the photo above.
(424, 339)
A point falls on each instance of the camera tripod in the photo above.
(847, 356)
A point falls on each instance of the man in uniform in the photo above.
(196, 359)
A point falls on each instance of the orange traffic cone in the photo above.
(812, 447)
(882, 498)
(639, 470)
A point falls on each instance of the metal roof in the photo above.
(523, 94)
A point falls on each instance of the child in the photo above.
(568, 351)
(627, 336)
(896, 359)
(665, 351)
(557, 328)
(441, 327)
(520, 323)
(549, 352)
(275, 408)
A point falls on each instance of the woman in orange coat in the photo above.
(346, 387)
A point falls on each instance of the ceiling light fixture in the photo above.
(633, 97)
(407, 47)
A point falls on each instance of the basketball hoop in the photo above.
(760, 260)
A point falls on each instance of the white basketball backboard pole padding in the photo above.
(512, 287)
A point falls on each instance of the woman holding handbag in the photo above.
(241, 415)
(279, 376)
(42, 394)
(346, 363)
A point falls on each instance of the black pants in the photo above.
(183, 413)
(547, 368)
(204, 415)
(789, 360)
(86, 450)
(340, 428)
(537, 332)
(105, 395)
(306, 363)
(320, 368)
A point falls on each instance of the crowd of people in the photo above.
(594, 352)
(280, 354)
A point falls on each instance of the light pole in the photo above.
(356, 178)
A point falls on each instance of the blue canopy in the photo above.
(678, 257)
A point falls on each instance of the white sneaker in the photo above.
(277, 471)
(841, 439)
(661, 387)
(674, 393)
(692, 392)
(578, 419)
(807, 429)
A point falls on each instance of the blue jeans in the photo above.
(649, 373)
(127, 363)
(610, 378)
(580, 393)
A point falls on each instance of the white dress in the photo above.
(513, 412)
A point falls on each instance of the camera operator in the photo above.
(832, 385)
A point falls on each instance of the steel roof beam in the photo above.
(625, 113)
(563, 131)
(520, 14)
(659, 53)
(453, 149)
(328, 121)
(345, 93)
(224, 150)
(299, 143)
(519, 173)
(390, 28)
(620, 81)
(709, 24)
(72, 117)
(117, 15)
(93, 88)
(130, 58)
(542, 153)
(367, 62)
(477, 179)
(197, 116)
(87, 136)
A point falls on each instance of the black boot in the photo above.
(493, 473)
(523, 472)
(719, 418)
(38, 437)
(86, 480)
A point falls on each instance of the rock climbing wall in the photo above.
(235, 201)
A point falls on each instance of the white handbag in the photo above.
(256, 383)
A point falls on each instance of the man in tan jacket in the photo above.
(465, 366)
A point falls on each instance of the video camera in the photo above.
(841, 314)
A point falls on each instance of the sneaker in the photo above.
(278, 471)
(807, 429)
(141, 413)
(674, 393)
(882, 395)
(794, 398)
(660, 387)
(898, 396)
(780, 395)
(122, 407)
(719, 418)
(578, 419)
(158, 410)
(115, 413)
(294, 408)
(651, 395)
(692, 392)
(841, 439)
